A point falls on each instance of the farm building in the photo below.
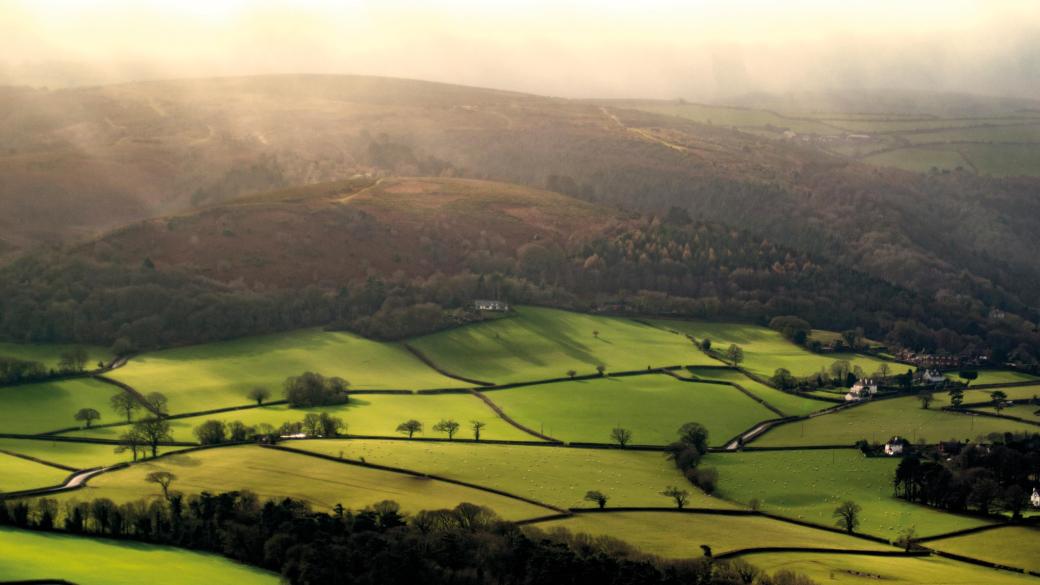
(895, 446)
(930, 376)
(1035, 499)
(486, 305)
(862, 390)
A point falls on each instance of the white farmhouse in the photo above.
(895, 446)
(862, 390)
(487, 305)
(1035, 499)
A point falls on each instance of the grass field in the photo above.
(999, 377)
(829, 337)
(367, 414)
(653, 407)
(883, 419)
(554, 475)
(218, 375)
(94, 561)
(1003, 160)
(681, 535)
(539, 344)
(49, 354)
(275, 474)
(77, 455)
(983, 395)
(20, 474)
(49, 406)
(766, 350)
(918, 159)
(808, 485)
(790, 404)
(860, 570)
(1012, 546)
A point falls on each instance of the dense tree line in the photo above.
(468, 544)
(668, 267)
(984, 478)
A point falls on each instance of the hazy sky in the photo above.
(649, 48)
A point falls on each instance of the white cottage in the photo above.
(1035, 499)
(862, 390)
(895, 446)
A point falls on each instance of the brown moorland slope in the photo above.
(78, 161)
(336, 232)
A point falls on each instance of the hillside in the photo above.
(334, 233)
(109, 155)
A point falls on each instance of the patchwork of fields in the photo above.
(517, 474)
(541, 344)
(808, 485)
(766, 350)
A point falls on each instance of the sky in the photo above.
(696, 49)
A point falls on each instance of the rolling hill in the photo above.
(79, 161)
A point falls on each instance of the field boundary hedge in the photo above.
(94, 440)
(501, 413)
(964, 532)
(129, 390)
(432, 365)
(39, 582)
(418, 474)
(820, 550)
(980, 562)
(38, 460)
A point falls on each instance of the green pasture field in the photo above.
(947, 129)
(539, 344)
(49, 354)
(730, 116)
(77, 455)
(653, 407)
(275, 474)
(824, 336)
(808, 485)
(835, 569)
(766, 350)
(999, 377)
(918, 159)
(1005, 133)
(18, 474)
(675, 535)
(555, 475)
(366, 414)
(47, 555)
(790, 404)
(49, 406)
(1012, 546)
(1022, 411)
(983, 394)
(881, 420)
(1003, 160)
(219, 375)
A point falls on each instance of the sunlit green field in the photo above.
(95, 561)
(789, 404)
(653, 407)
(539, 344)
(998, 377)
(49, 354)
(681, 535)
(366, 414)
(275, 474)
(766, 350)
(918, 159)
(77, 455)
(218, 375)
(860, 570)
(808, 485)
(1012, 546)
(18, 474)
(881, 420)
(554, 475)
(49, 406)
